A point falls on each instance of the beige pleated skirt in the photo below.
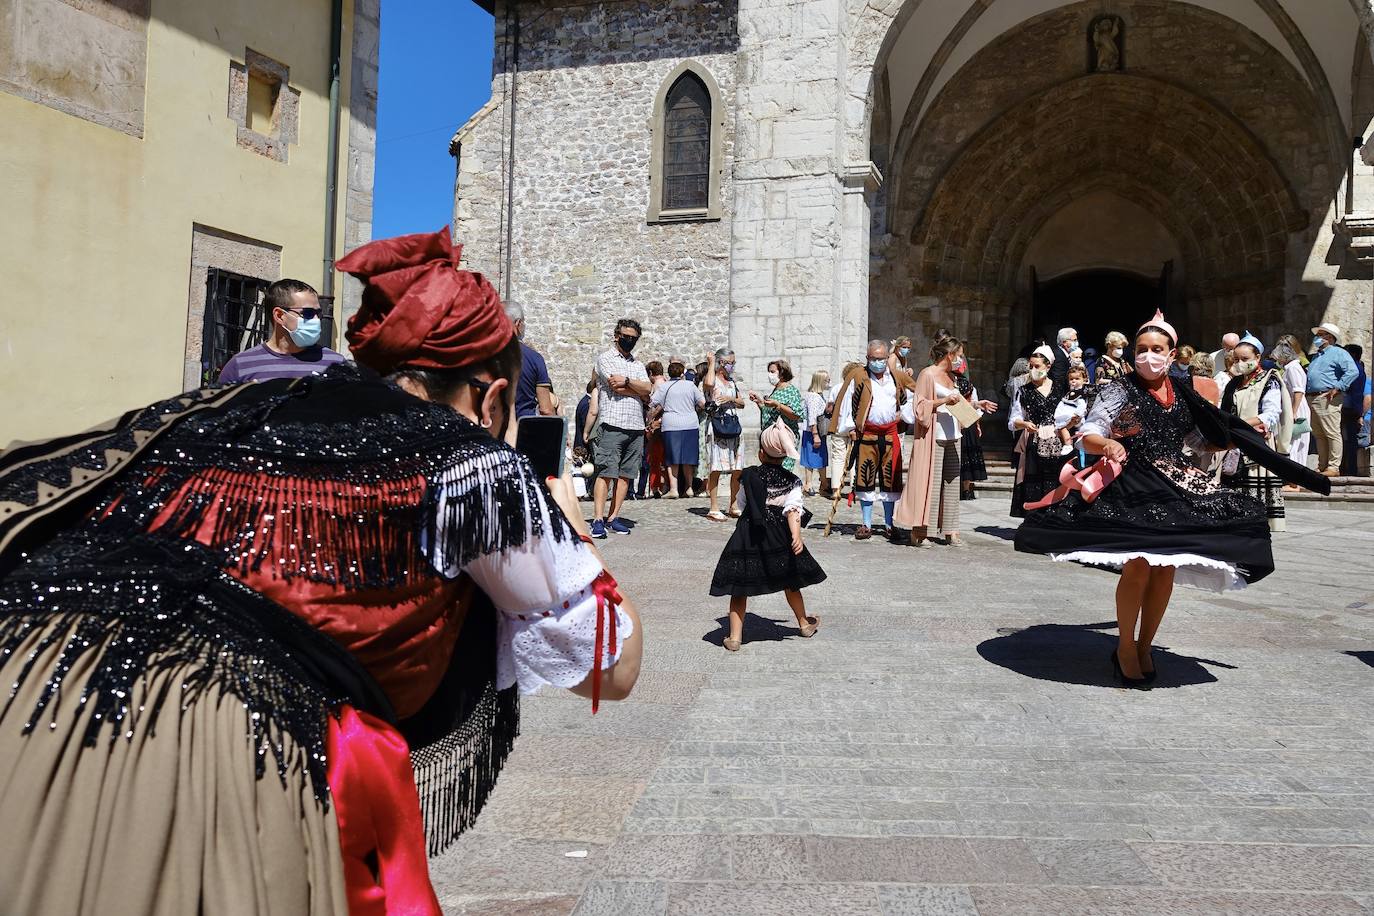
(171, 823)
(944, 492)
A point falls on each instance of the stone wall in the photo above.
(583, 253)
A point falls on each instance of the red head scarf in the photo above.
(419, 309)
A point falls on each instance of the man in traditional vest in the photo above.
(868, 417)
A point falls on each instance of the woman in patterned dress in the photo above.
(1113, 365)
(785, 403)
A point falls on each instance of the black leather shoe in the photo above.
(1136, 683)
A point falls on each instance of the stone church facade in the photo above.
(793, 177)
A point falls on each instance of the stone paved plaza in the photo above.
(950, 743)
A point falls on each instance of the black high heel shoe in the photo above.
(1136, 683)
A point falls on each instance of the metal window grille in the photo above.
(687, 145)
(236, 319)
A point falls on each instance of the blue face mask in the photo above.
(903, 352)
(877, 366)
(307, 332)
(1318, 341)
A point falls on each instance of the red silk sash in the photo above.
(378, 813)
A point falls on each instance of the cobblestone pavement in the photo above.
(950, 743)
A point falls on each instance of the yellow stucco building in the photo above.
(160, 162)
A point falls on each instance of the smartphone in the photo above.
(543, 440)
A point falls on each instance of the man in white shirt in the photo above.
(623, 387)
(1229, 342)
(868, 417)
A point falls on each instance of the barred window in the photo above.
(687, 145)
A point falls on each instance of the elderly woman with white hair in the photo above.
(1113, 365)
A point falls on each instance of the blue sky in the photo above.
(435, 71)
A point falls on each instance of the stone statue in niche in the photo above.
(1104, 37)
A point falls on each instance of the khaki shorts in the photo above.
(619, 453)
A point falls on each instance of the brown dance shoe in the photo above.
(731, 645)
(863, 533)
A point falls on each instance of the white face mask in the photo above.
(1116, 352)
(1038, 375)
(773, 378)
(1244, 367)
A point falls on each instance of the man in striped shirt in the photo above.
(294, 348)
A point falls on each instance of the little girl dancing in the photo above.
(766, 554)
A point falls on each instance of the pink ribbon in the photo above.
(1089, 482)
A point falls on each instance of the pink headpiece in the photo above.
(1159, 322)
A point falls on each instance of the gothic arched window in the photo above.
(686, 145)
(685, 161)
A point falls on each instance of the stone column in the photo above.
(789, 199)
(861, 182)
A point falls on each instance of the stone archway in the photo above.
(1205, 177)
(1216, 131)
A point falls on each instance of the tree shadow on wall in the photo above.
(1080, 654)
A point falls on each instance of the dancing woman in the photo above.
(1161, 520)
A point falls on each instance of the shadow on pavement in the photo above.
(996, 531)
(1365, 656)
(756, 629)
(1080, 654)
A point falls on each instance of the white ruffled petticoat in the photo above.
(1191, 569)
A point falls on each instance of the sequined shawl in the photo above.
(144, 536)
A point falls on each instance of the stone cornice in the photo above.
(862, 176)
(1357, 231)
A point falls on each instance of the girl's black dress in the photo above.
(758, 558)
(1162, 508)
(1041, 471)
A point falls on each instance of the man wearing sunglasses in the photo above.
(293, 349)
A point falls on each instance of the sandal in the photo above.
(731, 645)
(809, 628)
(716, 515)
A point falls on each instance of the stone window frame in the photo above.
(285, 113)
(712, 211)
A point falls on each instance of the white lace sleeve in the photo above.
(542, 587)
(1111, 400)
(1017, 413)
(793, 502)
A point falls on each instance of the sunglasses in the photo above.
(307, 314)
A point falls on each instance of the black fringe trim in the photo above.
(456, 774)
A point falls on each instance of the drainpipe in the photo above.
(331, 180)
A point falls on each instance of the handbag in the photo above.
(725, 425)
(1301, 427)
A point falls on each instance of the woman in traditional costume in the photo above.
(929, 506)
(1258, 396)
(262, 640)
(1031, 421)
(1148, 511)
